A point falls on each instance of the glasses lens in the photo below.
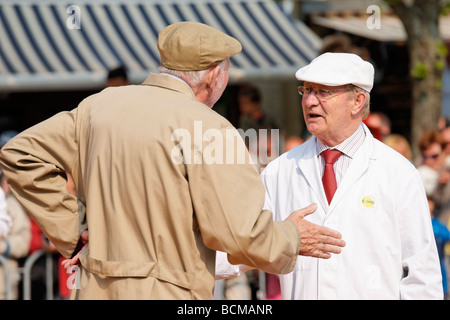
(304, 91)
(322, 94)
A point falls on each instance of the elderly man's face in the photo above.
(331, 117)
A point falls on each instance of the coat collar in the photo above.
(309, 166)
(168, 82)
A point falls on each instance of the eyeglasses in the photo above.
(320, 93)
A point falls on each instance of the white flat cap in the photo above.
(336, 69)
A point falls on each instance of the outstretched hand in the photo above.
(67, 263)
(316, 241)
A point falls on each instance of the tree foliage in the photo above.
(427, 60)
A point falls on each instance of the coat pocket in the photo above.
(138, 269)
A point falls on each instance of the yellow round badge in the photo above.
(368, 201)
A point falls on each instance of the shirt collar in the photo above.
(175, 77)
(349, 146)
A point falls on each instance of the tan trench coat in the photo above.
(154, 224)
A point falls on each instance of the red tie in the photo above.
(328, 178)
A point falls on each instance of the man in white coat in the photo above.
(379, 207)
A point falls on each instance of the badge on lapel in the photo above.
(368, 201)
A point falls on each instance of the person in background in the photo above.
(379, 124)
(252, 114)
(260, 132)
(400, 144)
(117, 77)
(434, 172)
(16, 244)
(442, 237)
(5, 219)
(292, 142)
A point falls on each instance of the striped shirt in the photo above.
(348, 147)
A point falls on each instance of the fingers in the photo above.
(329, 240)
(67, 263)
(330, 234)
(316, 241)
(336, 249)
(321, 247)
(85, 236)
(298, 215)
(323, 243)
(307, 210)
(325, 252)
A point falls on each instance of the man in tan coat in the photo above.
(166, 182)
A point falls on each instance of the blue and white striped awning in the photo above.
(55, 44)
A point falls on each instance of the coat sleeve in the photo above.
(224, 269)
(422, 275)
(35, 163)
(228, 198)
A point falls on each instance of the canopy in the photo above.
(51, 44)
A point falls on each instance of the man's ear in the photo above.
(212, 76)
(358, 102)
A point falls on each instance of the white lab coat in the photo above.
(380, 208)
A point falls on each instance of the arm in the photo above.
(228, 201)
(226, 270)
(35, 163)
(316, 241)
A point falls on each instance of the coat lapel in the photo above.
(360, 164)
(309, 166)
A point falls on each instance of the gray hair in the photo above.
(193, 78)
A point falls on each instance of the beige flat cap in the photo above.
(192, 46)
